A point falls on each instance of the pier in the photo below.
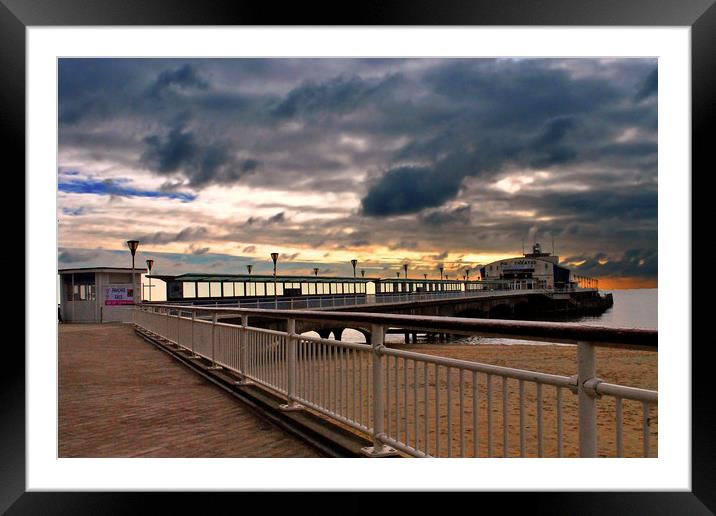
(502, 304)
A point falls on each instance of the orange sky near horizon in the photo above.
(615, 283)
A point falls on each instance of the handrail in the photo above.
(558, 332)
(383, 390)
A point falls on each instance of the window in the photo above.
(269, 289)
(260, 289)
(238, 289)
(84, 287)
(333, 288)
(279, 289)
(228, 289)
(215, 289)
(250, 289)
(312, 289)
(304, 288)
(188, 289)
(202, 289)
(86, 292)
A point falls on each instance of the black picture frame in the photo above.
(700, 15)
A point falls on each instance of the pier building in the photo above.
(97, 294)
(534, 270)
(229, 288)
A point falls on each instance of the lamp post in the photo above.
(441, 272)
(405, 268)
(315, 271)
(133, 245)
(248, 268)
(150, 264)
(354, 262)
(274, 257)
(362, 273)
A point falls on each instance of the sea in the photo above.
(633, 308)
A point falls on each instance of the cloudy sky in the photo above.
(215, 163)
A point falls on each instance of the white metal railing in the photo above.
(337, 301)
(429, 405)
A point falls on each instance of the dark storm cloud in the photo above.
(273, 219)
(202, 163)
(334, 96)
(459, 215)
(188, 234)
(409, 189)
(184, 77)
(636, 263)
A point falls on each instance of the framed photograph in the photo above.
(291, 211)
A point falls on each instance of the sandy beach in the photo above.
(625, 367)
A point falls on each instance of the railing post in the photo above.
(379, 449)
(191, 341)
(243, 351)
(214, 318)
(291, 339)
(586, 370)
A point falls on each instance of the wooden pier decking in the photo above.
(122, 397)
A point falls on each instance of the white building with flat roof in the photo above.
(98, 294)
